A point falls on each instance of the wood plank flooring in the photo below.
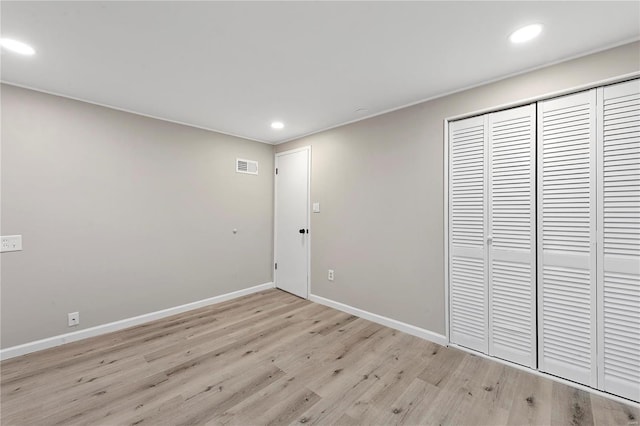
(274, 359)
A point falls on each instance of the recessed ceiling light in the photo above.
(277, 125)
(16, 46)
(525, 33)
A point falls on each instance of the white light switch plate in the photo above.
(316, 207)
(11, 243)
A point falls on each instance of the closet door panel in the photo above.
(512, 235)
(619, 239)
(566, 237)
(467, 270)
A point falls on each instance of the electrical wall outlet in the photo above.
(74, 318)
(330, 275)
(11, 243)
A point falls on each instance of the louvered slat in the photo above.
(619, 239)
(467, 271)
(566, 237)
(567, 306)
(511, 222)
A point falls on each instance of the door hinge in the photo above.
(276, 170)
(276, 266)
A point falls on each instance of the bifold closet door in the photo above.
(567, 237)
(467, 254)
(512, 235)
(619, 239)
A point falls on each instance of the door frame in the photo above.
(306, 148)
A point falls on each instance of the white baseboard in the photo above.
(61, 339)
(395, 324)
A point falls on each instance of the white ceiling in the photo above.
(235, 67)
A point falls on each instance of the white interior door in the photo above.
(567, 237)
(512, 235)
(619, 239)
(292, 221)
(467, 213)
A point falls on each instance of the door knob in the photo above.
(301, 231)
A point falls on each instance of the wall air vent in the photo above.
(246, 166)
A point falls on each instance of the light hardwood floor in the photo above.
(272, 358)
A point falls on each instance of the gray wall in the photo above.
(380, 187)
(122, 215)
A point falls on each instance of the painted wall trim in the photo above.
(379, 319)
(98, 330)
(549, 376)
(445, 204)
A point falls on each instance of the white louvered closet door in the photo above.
(619, 239)
(512, 235)
(566, 237)
(467, 271)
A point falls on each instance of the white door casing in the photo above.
(619, 239)
(291, 217)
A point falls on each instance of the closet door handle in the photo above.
(301, 231)
(489, 240)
